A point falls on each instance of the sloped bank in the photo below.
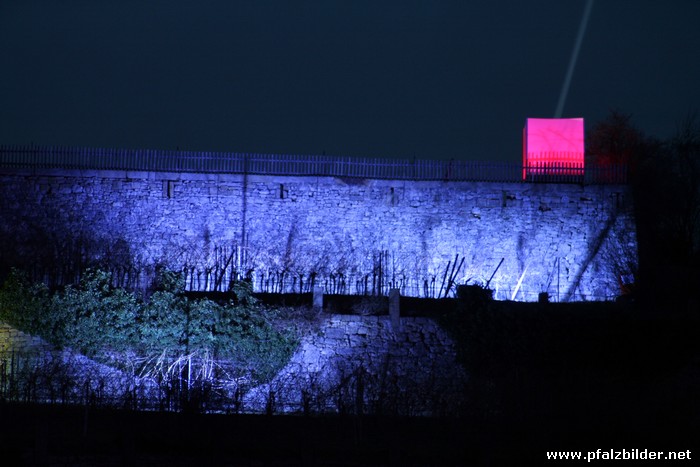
(344, 364)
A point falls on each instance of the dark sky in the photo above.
(380, 78)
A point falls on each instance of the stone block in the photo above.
(335, 333)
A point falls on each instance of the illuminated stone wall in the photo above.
(343, 362)
(349, 235)
(412, 369)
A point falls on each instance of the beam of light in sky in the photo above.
(574, 58)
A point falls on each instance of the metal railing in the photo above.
(45, 157)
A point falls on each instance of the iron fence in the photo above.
(45, 157)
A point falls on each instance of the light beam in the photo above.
(574, 59)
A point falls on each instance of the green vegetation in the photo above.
(109, 324)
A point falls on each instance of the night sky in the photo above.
(388, 78)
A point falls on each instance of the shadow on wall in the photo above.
(361, 365)
(56, 248)
(599, 239)
(287, 237)
(57, 256)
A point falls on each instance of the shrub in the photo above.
(98, 320)
(162, 322)
(97, 316)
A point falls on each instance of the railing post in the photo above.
(395, 309)
(318, 298)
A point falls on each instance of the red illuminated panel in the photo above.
(553, 146)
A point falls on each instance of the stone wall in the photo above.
(349, 235)
(344, 363)
(13, 340)
(409, 369)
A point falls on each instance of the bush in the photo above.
(99, 320)
(96, 316)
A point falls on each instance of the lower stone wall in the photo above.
(13, 340)
(344, 364)
(363, 363)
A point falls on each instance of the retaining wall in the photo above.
(410, 368)
(349, 235)
(13, 340)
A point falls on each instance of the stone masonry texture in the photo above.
(349, 235)
(414, 369)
